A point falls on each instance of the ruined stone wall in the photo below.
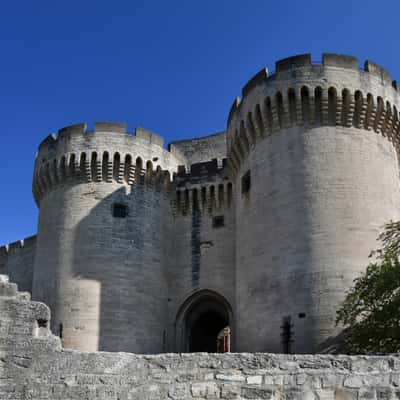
(34, 366)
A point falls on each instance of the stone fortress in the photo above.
(261, 228)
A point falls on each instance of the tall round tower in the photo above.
(313, 149)
(104, 209)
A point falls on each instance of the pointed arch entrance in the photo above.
(203, 321)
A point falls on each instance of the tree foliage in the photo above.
(371, 309)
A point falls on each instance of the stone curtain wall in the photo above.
(201, 149)
(16, 261)
(34, 366)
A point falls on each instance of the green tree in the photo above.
(371, 309)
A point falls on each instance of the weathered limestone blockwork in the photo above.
(320, 142)
(34, 366)
(104, 277)
(201, 149)
(17, 259)
(262, 226)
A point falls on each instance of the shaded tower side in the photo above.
(202, 257)
(99, 265)
(313, 152)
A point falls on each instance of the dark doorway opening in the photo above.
(204, 323)
(204, 332)
(206, 317)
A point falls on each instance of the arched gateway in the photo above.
(202, 321)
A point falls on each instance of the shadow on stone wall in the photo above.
(118, 273)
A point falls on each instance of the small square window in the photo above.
(246, 182)
(120, 210)
(218, 221)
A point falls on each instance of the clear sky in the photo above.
(173, 67)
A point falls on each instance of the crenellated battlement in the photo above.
(107, 154)
(259, 229)
(301, 93)
(205, 198)
(19, 244)
(16, 260)
(205, 188)
(107, 136)
(110, 154)
(108, 128)
(98, 167)
(202, 171)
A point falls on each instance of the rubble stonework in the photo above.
(33, 365)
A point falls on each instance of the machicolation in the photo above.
(147, 249)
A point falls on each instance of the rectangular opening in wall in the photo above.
(246, 182)
(120, 210)
(287, 334)
(218, 221)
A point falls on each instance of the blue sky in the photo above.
(173, 67)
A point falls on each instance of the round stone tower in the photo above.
(313, 150)
(104, 209)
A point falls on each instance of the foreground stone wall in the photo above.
(34, 366)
